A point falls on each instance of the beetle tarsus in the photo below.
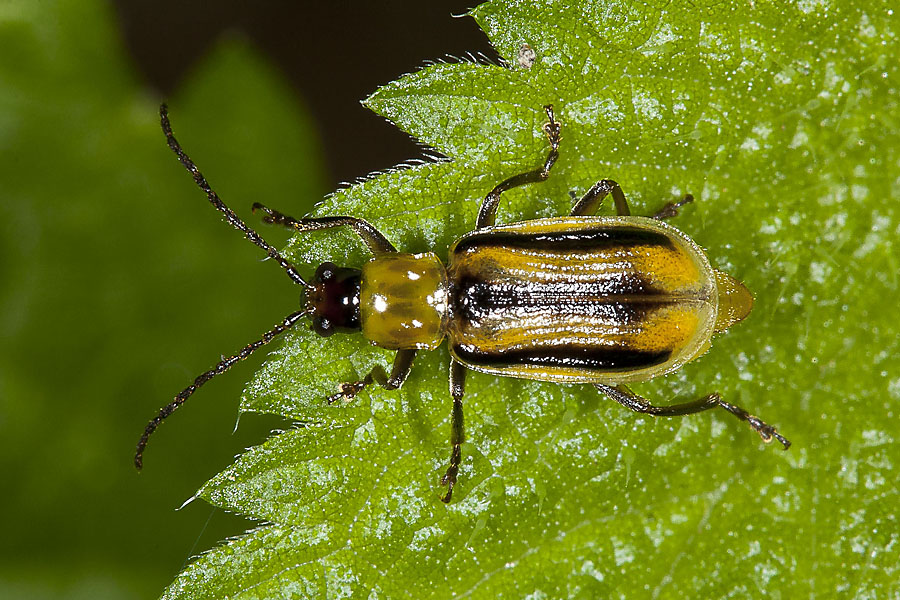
(488, 211)
(399, 372)
(766, 432)
(552, 128)
(671, 208)
(350, 389)
(449, 478)
(624, 396)
(784, 441)
(272, 216)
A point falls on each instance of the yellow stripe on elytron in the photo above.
(668, 270)
(670, 328)
(666, 328)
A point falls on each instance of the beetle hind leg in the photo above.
(399, 372)
(632, 401)
(765, 431)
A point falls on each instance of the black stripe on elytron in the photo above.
(565, 357)
(496, 291)
(575, 240)
(627, 299)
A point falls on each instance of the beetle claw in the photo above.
(784, 441)
(348, 391)
(671, 208)
(767, 432)
(449, 479)
(551, 127)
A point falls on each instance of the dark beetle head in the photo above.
(332, 299)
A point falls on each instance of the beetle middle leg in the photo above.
(399, 372)
(630, 400)
(591, 200)
(670, 209)
(488, 211)
(594, 196)
(457, 433)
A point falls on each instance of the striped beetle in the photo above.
(577, 299)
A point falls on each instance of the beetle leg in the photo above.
(457, 433)
(671, 208)
(399, 372)
(629, 399)
(488, 211)
(591, 200)
(373, 238)
(765, 431)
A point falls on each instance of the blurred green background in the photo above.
(118, 283)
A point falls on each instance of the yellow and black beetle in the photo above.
(576, 299)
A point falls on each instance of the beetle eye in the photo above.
(322, 326)
(325, 271)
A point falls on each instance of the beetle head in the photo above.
(332, 299)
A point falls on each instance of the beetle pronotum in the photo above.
(576, 299)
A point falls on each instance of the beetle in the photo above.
(605, 301)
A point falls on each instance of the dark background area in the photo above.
(334, 54)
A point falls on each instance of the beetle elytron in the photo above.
(576, 299)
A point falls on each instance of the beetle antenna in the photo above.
(220, 368)
(214, 199)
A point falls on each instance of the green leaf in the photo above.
(782, 119)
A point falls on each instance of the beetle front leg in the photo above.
(488, 211)
(399, 372)
(630, 400)
(373, 238)
(457, 433)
